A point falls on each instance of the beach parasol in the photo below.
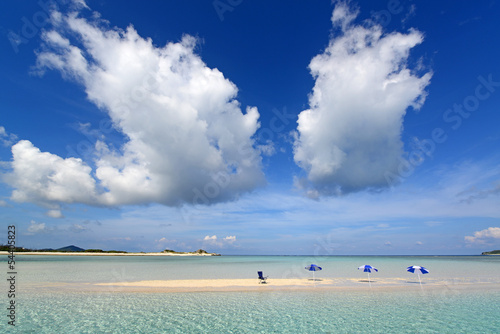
(313, 268)
(418, 268)
(368, 269)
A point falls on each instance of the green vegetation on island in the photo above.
(495, 252)
(102, 251)
(75, 249)
(67, 249)
(198, 252)
(6, 248)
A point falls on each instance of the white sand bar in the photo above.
(283, 284)
(219, 283)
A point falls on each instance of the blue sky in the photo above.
(249, 127)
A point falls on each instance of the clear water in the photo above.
(47, 310)
(35, 269)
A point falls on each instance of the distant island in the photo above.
(198, 252)
(74, 250)
(495, 252)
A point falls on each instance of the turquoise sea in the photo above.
(53, 296)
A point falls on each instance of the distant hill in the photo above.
(71, 248)
(495, 252)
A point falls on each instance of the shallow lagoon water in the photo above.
(36, 268)
(251, 312)
(43, 308)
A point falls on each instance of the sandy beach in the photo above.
(284, 284)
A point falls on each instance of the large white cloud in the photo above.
(188, 140)
(350, 138)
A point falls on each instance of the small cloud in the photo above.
(481, 194)
(418, 243)
(7, 139)
(77, 228)
(268, 149)
(230, 239)
(470, 20)
(433, 223)
(88, 222)
(164, 241)
(383, 226)
(54, 214)
(121, 239)
(484, 236)
(3, 203)
(388, 244)
(213, 240)
(37, 228)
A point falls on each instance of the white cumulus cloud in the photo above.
(188, 140)
(230, 239)
(214, 241)
(350, 137)
(484, 236)
(37, 228)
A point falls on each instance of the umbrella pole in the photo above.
(369, 282)
(419, 280)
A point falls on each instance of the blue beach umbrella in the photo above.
(313, 268)
(419, 270)
(368, 269)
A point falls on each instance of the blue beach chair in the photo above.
(262, 279)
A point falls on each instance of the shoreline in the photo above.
(346, 284)
(397, 284)
(107, 254)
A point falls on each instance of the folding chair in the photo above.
(262, 279)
